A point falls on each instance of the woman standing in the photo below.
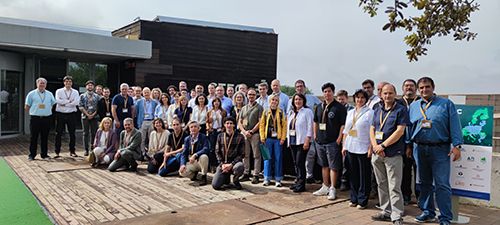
(105, 144)
(200, 111)
(238, 103)
(156, 94)
(171, 109)
(157, 145)
(272, 130)
(183, 112)
(162, 110)
(171, 157)
(358, 149)
(214, 125)
(300, 132)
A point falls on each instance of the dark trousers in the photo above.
(172, 165)
(153, 166)
(299, 158)
(361, 177)
(63, 120)
(89, 131)
(212, 138)
(409, 166)
(39, 126)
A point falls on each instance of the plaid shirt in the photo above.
(89, 101)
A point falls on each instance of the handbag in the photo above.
(264, 152)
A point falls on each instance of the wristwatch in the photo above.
(383, 146)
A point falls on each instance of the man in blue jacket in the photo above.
(145, 108)
(194, 158)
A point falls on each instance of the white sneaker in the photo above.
(278, 184)
(266, 183)
(322, 191)
(332, 194)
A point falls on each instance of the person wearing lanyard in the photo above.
(104, 105)
(329, 120)
(145, 108)
(200, 111)
(272, 132)
(105, 144)
(129, 149)
(183, 112)
(387, 138)
(194, 158)
(276, 88)
(88, 107)
(175, 145)
(369, 86)
(248, 123)
(300, 132)
(239, 100)
(157, 145)
(162, 110)
(229, 153)
(358, 150)
(435, 126)
(122, 107)
(342, 98)
(39, 104)
(263, 97)
(409, 96)
(67, 100)
(215, 116)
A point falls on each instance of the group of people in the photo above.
(376, 145)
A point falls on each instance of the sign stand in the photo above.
(455, 205)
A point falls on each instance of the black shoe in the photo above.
(86, 153)
(293, 186)
(194, 177)
(299, 189)
(245, 177)
(31, 158)
(344, 187)
(310, 180)
(133, 167)
(203, 181)
(57, 156)
(46, 157)
(255, 180)
(72, 154)
(381, 217)
(237, 185)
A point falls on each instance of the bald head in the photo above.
(379, 87)
(275, 86)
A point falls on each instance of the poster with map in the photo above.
(471, 174)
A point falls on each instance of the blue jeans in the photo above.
(434, 166)
(172, 165)
(276, 160)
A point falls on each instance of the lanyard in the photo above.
(292, 125)
(158, 139)
(184, 114)
(177, 141)
(274, 118)
(325, 109)
(382, 122)
(192, 145)
(408, 103)
(424, 110)
(226, 145)
(127, 139)
(125, 102)
(107, 104)
(145, 104)
(65, 93)
(40, 96)
(355, 118)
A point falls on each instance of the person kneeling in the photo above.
(229, 151)
(194, 157)
(130, 147)
(157, 145)
(105, 144)
(175, 145)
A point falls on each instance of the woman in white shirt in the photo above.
(358, 149)
(171, 109)
(105, 144)
(157, 145)
(300, 132)
(162, 109)
(200, 110)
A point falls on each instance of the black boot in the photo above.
(255, 180)
(203, 181)
(194, 177)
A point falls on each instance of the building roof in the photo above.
(32, 37)
(212, 24)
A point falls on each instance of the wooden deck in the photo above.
(91, 196)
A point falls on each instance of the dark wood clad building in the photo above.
(198, 52)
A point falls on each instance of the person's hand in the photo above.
(409, 152)
(153, 160)
(162, 165)
(117, 155)
(263, 142)
(339, 140)
(377, 149)
(117, 124)
(282, 142)
(90, 117)
(370, 152)
(344, 152)
(456, 153)
(306, 146)
(182, 169)
(192, 159)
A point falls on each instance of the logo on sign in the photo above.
(470, 158)
(483, 160)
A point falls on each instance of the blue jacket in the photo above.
(201, 146)
(139, 110)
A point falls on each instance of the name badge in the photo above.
(353, 133)
(91, 107)
(427, 124)
(292, 132)
(322, 126)
(274, 134)
(124, 110)
(146, 116)
(379, 135)
(108, 114)
(41, 106)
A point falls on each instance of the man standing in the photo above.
(129, 148)
(104, 105)
(145, 109)
(227, 103)
(172, 90)
(263, 97)
(243, 88)
(122, 107)
(249, 125)
(435, 126)
(230, 92)
(300, 88)
(194, 157)
(387, 138)
(199, 90)
(39, 104)
(275, 86)
(409, 96)
(98, 90)
(211, 91)
(229, 152)
(88, 106)
(329, 120)
(137, 93)
(342, 98)
(67, 100)
(183, 85)
(369, 86)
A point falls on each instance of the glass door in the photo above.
(10, 102)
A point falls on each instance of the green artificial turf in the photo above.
(17, 204)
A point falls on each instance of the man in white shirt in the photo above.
(67, 99)
(369, 86)
(199, 90)
(263, 97)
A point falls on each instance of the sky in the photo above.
(318, 40)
